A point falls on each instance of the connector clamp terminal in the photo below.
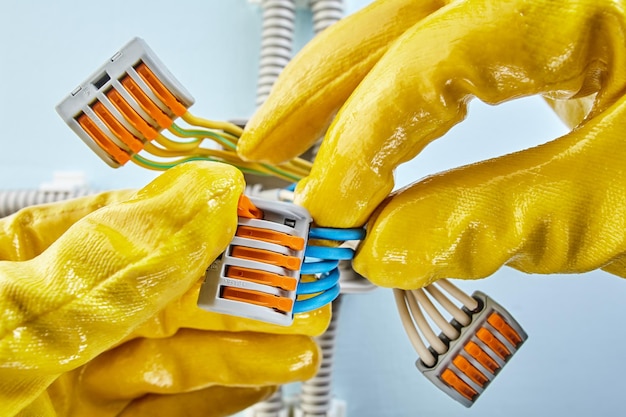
(476, 357)
(257, 276)
(125, 103)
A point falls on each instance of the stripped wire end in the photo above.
(472, 347)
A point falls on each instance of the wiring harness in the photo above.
(278, 264)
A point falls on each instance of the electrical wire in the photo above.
(407, 322)
(186, 146)
(458, 314)
(454, 291)
(422, 324)
(411, 306)
(449, 330)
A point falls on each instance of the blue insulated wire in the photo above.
(318, 267)
(323, 252)
(326, 282)
(336, 234)
(302, 306)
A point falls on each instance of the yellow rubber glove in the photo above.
(556, 208)
(98, 301)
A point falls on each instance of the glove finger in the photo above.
(19, 389)
(420, 88)
(214, 401)
(320, 78)
(30, 231)
(194, 359)
(40, 407)
(556, 208)
(185, 313)
(115, 268)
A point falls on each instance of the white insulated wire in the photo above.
(411, 306)
(449, 330)
(458, 314)
(418, 344)
(418, 316)
(454, 291)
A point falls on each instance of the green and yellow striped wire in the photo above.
(186, 146)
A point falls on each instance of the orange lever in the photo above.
(262, 277)
(485, 360)
(494, 344)
(502, 326)
(267, 257)
(146, 103)
(271, 236)
(116, 127)
(160, 90)
(247, 209)
(470, 370)
(257, 298)
(114, 151)
(131, 115)
(458, 384)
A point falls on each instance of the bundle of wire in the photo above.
(322, 263)
(411, 306)
(189, 143)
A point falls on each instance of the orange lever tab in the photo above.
(114, 151)
(131, 115)
(470, 370)
(257, 298)
(146, 103)
(247, 209)
(271, 236)
(266, 256)
(116, 127)
(502, 326)
(160, 90)
(458, 384)
(262, 277)
(485, 360)
(494, 344)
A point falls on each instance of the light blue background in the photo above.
(573, 363)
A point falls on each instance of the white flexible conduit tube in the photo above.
(279, 18)
(14, 200)
(325, 13)
(316, 393)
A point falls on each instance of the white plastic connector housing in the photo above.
(245, 281)
(477, 356)
(109, 76)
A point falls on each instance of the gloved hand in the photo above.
(402, 73)
(98, 302)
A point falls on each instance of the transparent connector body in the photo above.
(125, 103)
(478, 355)
(258, 274)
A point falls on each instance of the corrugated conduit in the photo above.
(14, 200)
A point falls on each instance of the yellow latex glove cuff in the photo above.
(89, 280)
(560, 207)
